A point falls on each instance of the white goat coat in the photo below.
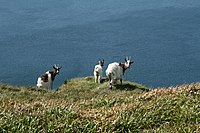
(115, 71)
(98, 73)
(98, 69)
(41, 83)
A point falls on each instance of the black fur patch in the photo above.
(44, 77)
(97, 73)
(53, 75)
(123, 67)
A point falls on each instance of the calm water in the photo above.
(163, 37)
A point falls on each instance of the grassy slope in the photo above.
(80, 105)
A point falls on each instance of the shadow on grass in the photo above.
(130, 87)
(103, 80)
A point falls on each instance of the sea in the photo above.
(161, 36)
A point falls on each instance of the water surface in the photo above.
(162, 37)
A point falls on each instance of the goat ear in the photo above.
(125, 59)
(132, 62)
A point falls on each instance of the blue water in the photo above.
(162, 36)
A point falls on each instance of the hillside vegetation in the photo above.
(80, 105)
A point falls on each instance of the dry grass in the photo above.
(80, 105)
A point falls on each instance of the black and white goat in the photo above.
(98, 71)
(46, 79)
(115, 71)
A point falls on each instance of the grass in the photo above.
(80, 105)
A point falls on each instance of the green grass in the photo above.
(80, 105)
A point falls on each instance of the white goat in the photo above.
(46, 80)
(115, 71)
(98, 71)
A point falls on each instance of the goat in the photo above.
(46, 79)
(98, 71)
(115, 71)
